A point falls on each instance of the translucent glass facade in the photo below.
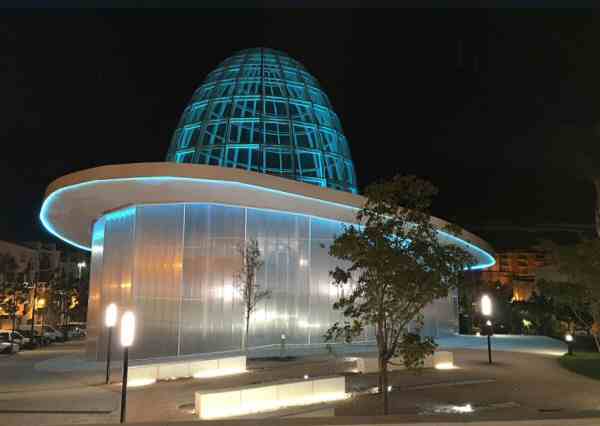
(174, 264)
(260, 110)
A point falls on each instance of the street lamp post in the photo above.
(110, 320)
(486, 310)
(569, 340)
(80, 266)
(127, 335)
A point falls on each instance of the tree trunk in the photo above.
(597, 212)
(245, 335)
(383, 384)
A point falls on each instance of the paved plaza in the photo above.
(56, 386)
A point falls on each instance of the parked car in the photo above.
(47, 331)
(54, 334)
(36, 337)
(76, 330)
(23, 341)
(6, 346)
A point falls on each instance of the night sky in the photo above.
(482, 103)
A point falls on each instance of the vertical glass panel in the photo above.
(219, 109)
(300, 111)
(323, 117)
(242, 157)
(210, 156)
(296, 91)
(245, 132)
(329, 140)
(184, 156)
(276, 133)
(271, 72)
(215, 134)
(204, 92)
(248, 87)
(275, 88)
(196, 112)
(251, 71)
(158, 272)
(309, 164)
(305, 136)
(212, 316)
(291, 74)
(230, 73)
(185, 137)
(249, 107)
(276, 108)
(278, 161)
(255, 59)
(331, 171)
(283, 240)
(224, 89)
(319, 97)
(118, 267)
(323, 293)
(309, 79)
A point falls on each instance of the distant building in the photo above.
(519, 257)
(38, 262)
(517, 268)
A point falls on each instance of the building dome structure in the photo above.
(258, 156)
(260, 110)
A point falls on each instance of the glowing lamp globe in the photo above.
(486, 305)
(127, 329)
(110, 315)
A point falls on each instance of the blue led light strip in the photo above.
(130, 210)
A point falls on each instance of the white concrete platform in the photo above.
(211, 404)
(140, 375)
(439, 359)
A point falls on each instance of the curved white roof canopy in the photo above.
(75, 201)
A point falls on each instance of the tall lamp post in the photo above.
(110, 320)
(486, 310)
(80, 266)
(127, 335)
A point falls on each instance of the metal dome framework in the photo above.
(260, 110)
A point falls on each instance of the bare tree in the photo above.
(247, 286)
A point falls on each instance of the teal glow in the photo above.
(260, 110)
(155, 179)
(120, 214)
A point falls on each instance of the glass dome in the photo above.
(260, 110)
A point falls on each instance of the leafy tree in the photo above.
(576, 285)
(394, 265)
(247, 286)
(63, 288)
(12, 289)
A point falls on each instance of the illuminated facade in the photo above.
(164, 236)
(517, 269)
(261, 111)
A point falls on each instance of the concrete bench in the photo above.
(176, 369)
(250, 399)
(439, 359)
